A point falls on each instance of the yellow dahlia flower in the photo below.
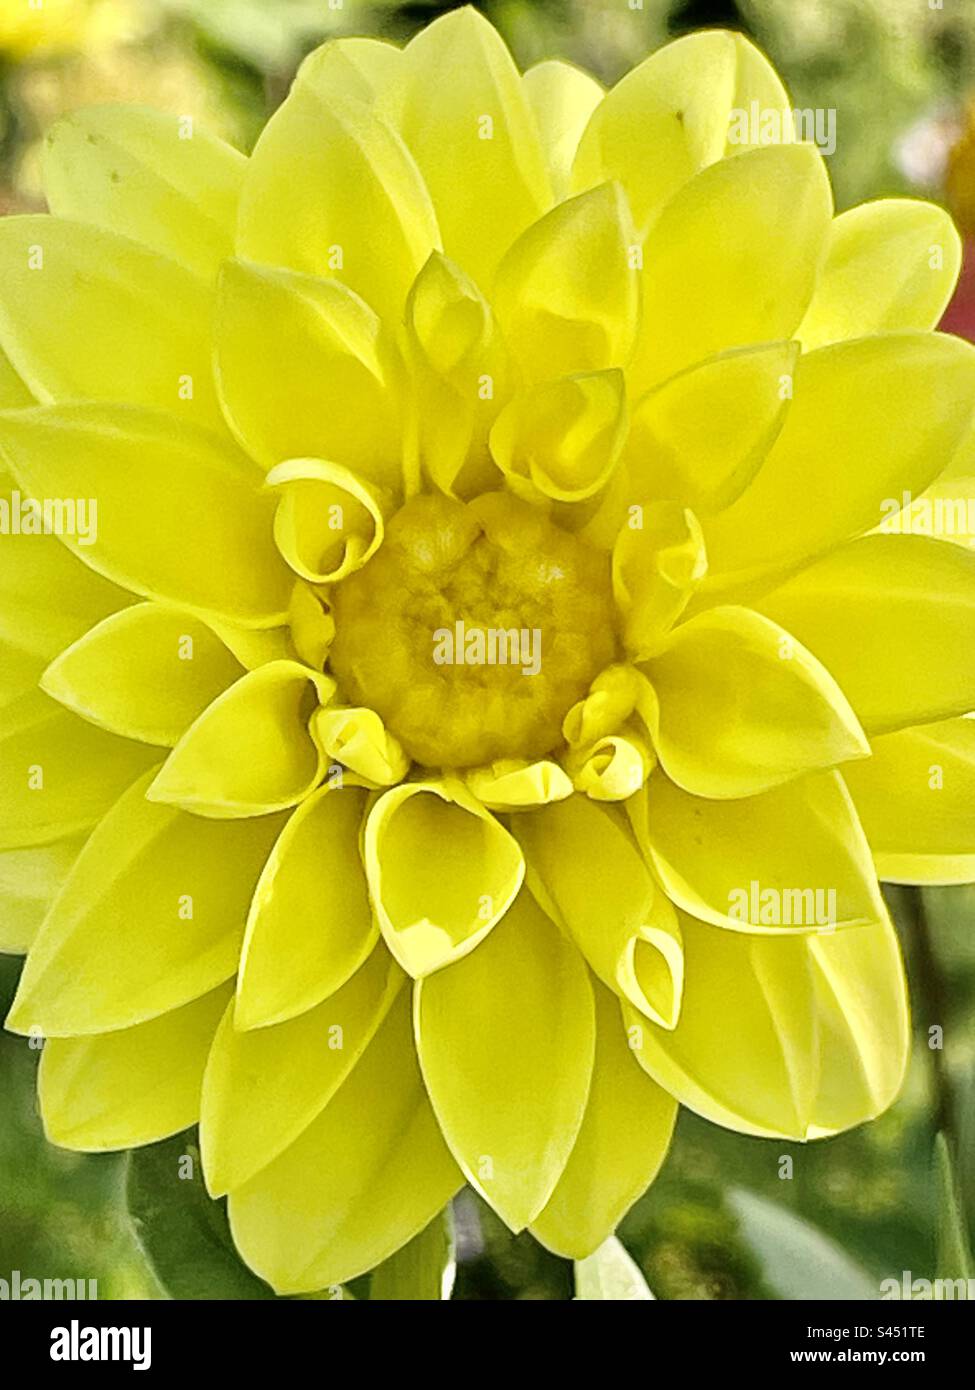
(477, 694)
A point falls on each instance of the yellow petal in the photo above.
(58, 774)
(388, 1174)
(328, 523)
(442, 871)
(359, 68)
(712, 740)
(310, 926)
(14, 394)
(134, 1086)
(514, 785)
(568, 291)
(588, 874)
(506, 1041)
(358, 739)
(916, 798)
(263, 1088)
(613, 696)
(893, 409)
(890, 264)
(150, 176)
(788, 1036)
(48, 599)
(180, 513)
(789, 858)
(30, 880)
(312, 625)
(475, 140)
(623, 1141)
(893, 619)
(733, 259)
(701, 437)
(250, 752)
(563, 439)
(132, 325)
(614, 768)
(562, 99)
(656, 568)
(331, 190)
(303, 371)
(151, 917)
(146, 673)
(461, 377)
(671, 116)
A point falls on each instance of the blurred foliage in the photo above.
(898, 73)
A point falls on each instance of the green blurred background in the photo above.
(721, 1222)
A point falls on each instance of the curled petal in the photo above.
(656, 568)
(819, 1022)
(701, 436)
(312, 625)
(613, 696)
(358, 739)
(328, 522)
(462, 377)
(568, 291)
(442, 872)
(614, 768)
(515, 785)
(791, 858)
(588, 874)
(563, 438)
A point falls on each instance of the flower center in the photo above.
(474, 629)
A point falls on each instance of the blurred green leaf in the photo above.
(611, 1274)
(797, 1260)
(423, 1270)
(954, 1255)
(183, 1232)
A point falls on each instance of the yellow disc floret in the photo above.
(474, 630)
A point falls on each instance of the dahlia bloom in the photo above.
(479, 717)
